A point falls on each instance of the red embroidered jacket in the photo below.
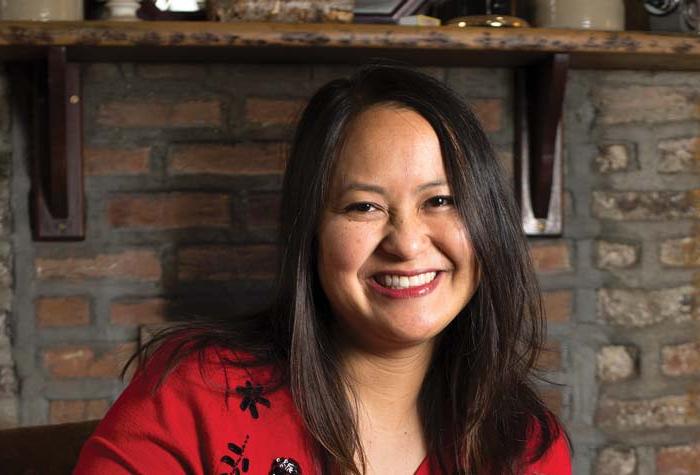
(189, 426)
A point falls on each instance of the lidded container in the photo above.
(41, 10)
(582, 14)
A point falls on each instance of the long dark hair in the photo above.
(477, 404)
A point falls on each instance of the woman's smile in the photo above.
(404, 286)
(405, 279)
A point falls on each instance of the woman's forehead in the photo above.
(389, 142)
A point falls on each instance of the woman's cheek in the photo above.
(338, 246)
(351, 245)
(459, 236)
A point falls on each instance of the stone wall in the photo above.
(183, 167)
(633, 158)
(8, 380)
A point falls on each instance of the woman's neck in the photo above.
(387, 384)
(386, 387)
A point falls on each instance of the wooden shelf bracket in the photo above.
(56, 155)
(539, 97)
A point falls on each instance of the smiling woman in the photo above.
(390, 234)
(406, 324)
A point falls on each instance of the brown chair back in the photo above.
(49, 449)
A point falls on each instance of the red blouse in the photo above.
(189, 426)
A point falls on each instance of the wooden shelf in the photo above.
(346, 43)
(542, 58)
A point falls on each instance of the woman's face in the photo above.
(394, 258)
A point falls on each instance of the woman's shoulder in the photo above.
(204, 411)
(178, 361)
(179, 375)
(553, 458)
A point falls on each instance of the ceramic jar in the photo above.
(122, 10)
(586, 14)
(41, 10)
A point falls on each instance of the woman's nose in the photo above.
(407, 237)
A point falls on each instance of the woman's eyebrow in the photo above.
(359, 186)
(431, 184)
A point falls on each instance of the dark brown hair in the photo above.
(477, 404)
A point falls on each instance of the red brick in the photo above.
(681, 360)
(62, 311)
(641, 414)
(684, 252)
(489, 112)
(645, 307)
(202, 113)
(242, 159)
(5, 269)
(9, 386)
(646, 103)
(617, 255)
(263, 210)
(84, 362)
(680, 155)
(227, 262)
(550, 357)
(646, 205)
(617, 362)
(272, 111)
(614, 158)
(506, 159)
(102, 72)
(550, 258)
(616, 461)
(138, 312)
(558, 305)
(678, 460)
(105, 161)
(177, 71)
(170, 210)
(135, 264)
(553, 399)
(64, 411)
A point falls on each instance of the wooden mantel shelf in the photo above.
(50, 73)
(347, 43)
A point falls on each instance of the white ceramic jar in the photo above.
(122, 10)
(41, 10)
(586, 14)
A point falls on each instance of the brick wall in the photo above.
(632, 179)
(8, 380)
(183, 167)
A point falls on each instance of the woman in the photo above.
(405, 327)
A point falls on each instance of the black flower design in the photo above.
(252, 395)
(285, 466)
(240, 464)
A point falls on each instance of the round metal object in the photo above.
(661, 7)
(494, 21)
(690, 12)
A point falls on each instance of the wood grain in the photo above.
(433, 45)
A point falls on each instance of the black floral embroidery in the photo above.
(252, 395)
(240, 464)
(285, 466)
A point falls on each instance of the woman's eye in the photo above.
(361, 207)
(440, 201)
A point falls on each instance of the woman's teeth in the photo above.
(404, 282)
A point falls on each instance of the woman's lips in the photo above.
(408, 292)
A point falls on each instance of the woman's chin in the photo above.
(409, 337)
